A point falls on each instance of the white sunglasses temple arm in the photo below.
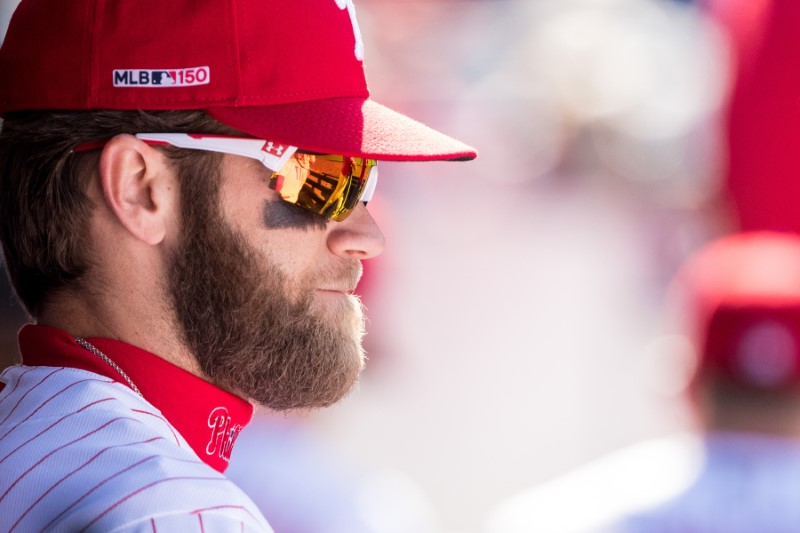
(369, 190)
(271, 155)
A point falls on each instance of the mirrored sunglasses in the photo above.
(328, 185)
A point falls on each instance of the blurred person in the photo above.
(171, 287)
(762, 115)
(737, 301)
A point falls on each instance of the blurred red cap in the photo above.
(285, 70)
(742, 299)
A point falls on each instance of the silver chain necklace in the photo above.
(91, 348)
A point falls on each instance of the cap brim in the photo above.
(348, 126)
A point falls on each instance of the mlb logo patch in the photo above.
(185, 77)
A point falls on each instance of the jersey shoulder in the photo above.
(81, 452)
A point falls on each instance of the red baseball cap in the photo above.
(284, 70)
(741, 296)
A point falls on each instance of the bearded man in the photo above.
(172, 287)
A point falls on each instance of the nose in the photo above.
(357, 237)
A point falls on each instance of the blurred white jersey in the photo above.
(747, 483)
(726, 482)
(80, 451)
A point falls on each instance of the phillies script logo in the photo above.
(223, 433)
(351, 9)
(184, 77)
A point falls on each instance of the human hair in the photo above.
(44, 205)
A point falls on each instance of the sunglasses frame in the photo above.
(272, 155)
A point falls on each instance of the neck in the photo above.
(87, 315)
(205, 415)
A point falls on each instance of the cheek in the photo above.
(292, 238)
(283, 215)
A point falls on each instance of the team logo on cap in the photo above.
(184, 77)
(351, 9)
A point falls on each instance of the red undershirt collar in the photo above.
(208, 417)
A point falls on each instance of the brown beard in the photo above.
(254, 331)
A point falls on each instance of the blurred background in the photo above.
(516, 317)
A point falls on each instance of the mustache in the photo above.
(342, 277)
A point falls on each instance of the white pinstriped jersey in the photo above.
(82, 452)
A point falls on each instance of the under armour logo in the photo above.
(270, 148)
(342, 4)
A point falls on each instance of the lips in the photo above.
(341, 280)
(337, 291)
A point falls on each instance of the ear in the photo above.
(139, 187)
